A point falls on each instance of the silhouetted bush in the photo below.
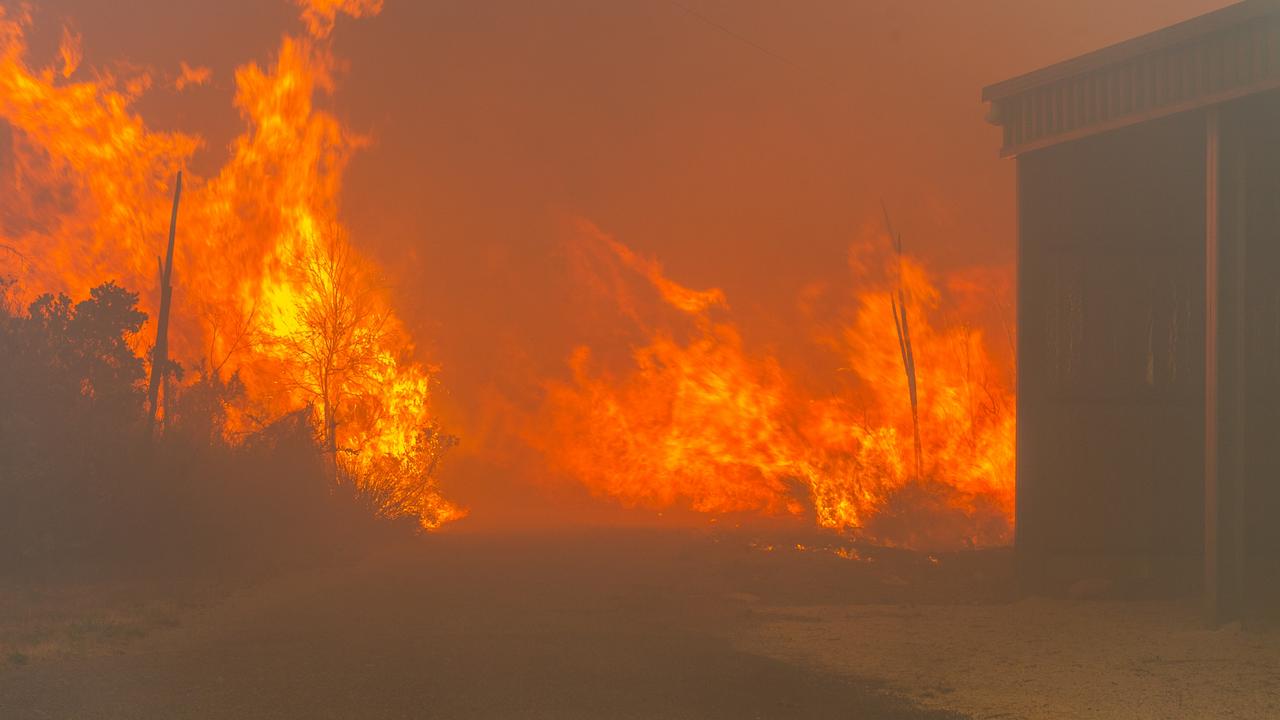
(82, 481)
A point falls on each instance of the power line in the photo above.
(731, 33)
(800, 70)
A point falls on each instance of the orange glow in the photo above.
(696, 419)
(88, 201)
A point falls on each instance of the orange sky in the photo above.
(495, 121)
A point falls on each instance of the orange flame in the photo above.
(698, 420)
(191, 76)
(320, 15)
(70, 51)
(87, 199)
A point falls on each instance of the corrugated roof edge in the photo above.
(1166, 37)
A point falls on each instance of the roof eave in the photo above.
(1122, 51)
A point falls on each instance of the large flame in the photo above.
(259, 253)
(697, 420)
(695, 417)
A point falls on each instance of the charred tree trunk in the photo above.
(903, 328)
(909, 365)
(160, 353)
(330, 427)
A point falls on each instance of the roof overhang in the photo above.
(1208, 60)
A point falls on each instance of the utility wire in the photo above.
(724, 29)
(800, 70)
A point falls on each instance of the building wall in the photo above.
(1111, 350)
(1249, 355)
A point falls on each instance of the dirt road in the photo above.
(621, 624)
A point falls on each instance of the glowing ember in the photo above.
(699, 421)
(266, 284)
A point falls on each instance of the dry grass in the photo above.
(41, 621)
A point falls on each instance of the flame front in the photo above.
(697, 417)
(87, 200)
(697, 420)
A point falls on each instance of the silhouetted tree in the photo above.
(199, 414)
(70, 402)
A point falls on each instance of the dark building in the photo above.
(1148, 178)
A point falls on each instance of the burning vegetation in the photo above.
(268, 289)
(917, 452)
(277, 315)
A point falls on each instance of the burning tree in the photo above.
(340, 330)
(337, 360)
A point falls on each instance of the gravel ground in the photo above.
(1038, 658)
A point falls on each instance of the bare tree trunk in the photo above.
(903, 327)
(329, 420)
(909, 365)
(160, 354)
